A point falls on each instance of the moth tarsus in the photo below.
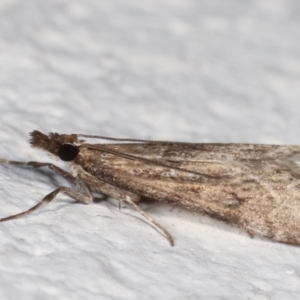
(254, 187)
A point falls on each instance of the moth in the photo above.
(253, 187)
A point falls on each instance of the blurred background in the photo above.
(223, 71)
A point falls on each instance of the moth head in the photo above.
(65, 146)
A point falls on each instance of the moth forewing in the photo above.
(254, 187)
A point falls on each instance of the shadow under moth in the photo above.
(254, 187)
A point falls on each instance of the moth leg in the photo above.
(122, 195)
(133, 197)
(98, 185)
(36, 164)
(54, 168)
(150, 219)
(81, 194)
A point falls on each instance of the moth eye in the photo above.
(67, 152)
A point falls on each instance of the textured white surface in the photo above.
(189, 70)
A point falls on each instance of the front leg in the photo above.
(81, 194)
(37, 164)
(98, 185)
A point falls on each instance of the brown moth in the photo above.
(254, 187)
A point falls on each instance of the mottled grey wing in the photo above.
(193, 156)
(253, 186)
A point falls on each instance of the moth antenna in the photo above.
(126, 140)
(111, 138)
(132, 157)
